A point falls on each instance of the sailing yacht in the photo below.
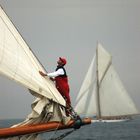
(102, 94)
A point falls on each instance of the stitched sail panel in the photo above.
(19, 63)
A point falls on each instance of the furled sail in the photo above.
(113, 98)
(18, 63)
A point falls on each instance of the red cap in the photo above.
(63, 60)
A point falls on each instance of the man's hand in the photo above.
(52, 79)
(42, 74)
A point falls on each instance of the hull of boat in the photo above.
(110, 121)
(37, 128)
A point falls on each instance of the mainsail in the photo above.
(18, 63)
(102, 91)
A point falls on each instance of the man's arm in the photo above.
(53, 74)
(56, 73)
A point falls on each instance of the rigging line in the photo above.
(75, 117)
(63, 135)
(73, 113)
(51, 137)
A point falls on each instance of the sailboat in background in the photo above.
(18, 63)
(102, 94)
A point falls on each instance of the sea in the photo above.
(129, 130)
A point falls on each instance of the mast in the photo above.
(98, 93)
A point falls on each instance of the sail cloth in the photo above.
(86, 98)
(113, 97)
(18, 63)
(103, 61)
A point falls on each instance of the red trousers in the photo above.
(63, 87)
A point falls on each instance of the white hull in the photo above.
(110, 121)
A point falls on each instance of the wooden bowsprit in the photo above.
(44, 127)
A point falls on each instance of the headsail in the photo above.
(110, 96)
(19, 63)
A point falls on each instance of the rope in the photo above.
(63, 135)
(54, 132)
(77, 124)
(72, 113)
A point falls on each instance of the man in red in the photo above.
(61, 79)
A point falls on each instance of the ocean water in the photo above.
(129, 130)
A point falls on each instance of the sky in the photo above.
(71, 29)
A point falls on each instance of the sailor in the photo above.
(61, 79)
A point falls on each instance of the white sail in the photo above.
(103, 61)
(19, 63)
(85, 101)
(114, 99)
(109, 97)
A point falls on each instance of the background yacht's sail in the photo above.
(86, 99)
(103, 61)
(113, 99)
(19, 63)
